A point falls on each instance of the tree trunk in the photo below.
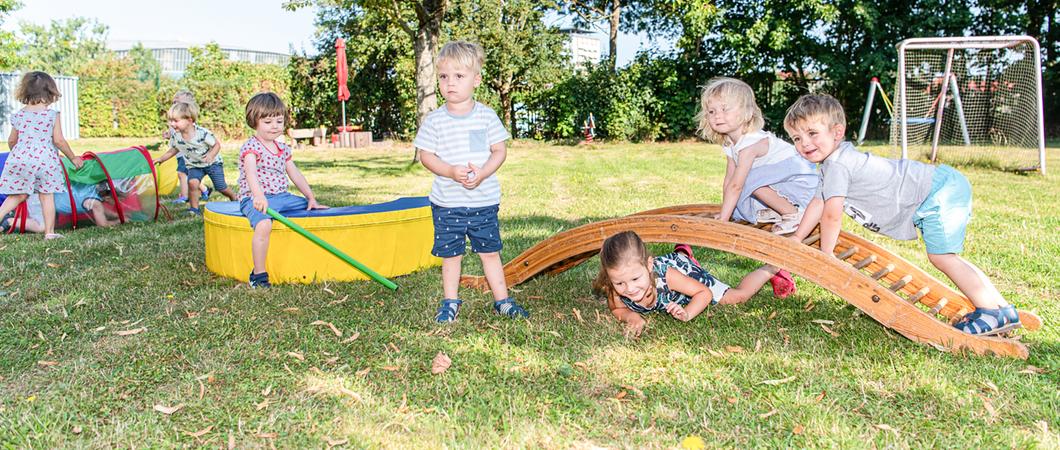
(425, 47)
(505, 94)
(616, 13)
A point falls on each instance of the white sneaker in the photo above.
(788, 223)
(767, 215)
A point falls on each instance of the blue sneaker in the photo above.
(448, 310)
(179, 200)
(195, 211)
(989, 322)
(510, 309)
(259, 280)
(206, 195)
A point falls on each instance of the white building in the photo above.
(175, 57)
(582, 46)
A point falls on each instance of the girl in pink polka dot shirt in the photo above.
(264, 166)
(33, 165)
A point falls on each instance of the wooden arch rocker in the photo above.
(891, 290)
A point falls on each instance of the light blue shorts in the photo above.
(282, 203)
(943, 216)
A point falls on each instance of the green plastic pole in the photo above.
(331, 249)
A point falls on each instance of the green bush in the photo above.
(624, 107)
(113, 102)
(222, 89)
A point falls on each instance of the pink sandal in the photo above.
(783, 284)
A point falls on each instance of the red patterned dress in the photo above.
(33, 165)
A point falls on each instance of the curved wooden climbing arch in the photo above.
(886, 287)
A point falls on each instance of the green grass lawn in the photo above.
(250, 368)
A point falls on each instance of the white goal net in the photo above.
(970, 100)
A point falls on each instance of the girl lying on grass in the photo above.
(637, 283)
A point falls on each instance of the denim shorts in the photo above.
(282, 203)
(181, 167)
(215, 171)
(452, 225)
(943, 216)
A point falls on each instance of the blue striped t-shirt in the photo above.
(458, 140)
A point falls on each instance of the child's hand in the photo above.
(634, 326)
(458, 173)
(78, 162)
(314, 205)
(260, 203)
(166, 135)
(473, 180)
(677, 311)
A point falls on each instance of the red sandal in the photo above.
(783, 284)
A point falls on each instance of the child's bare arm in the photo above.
(498, 153)
(700, 293)
(831, 223)
(303, 186)
(62, 145)
(250, 169)
(12, 139)
(634, 322)
(734, 186)
(165, 156)
(441, 168)
(212, 153)
(810, 218)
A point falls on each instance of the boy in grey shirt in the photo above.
(893, 198)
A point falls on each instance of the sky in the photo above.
(253, 24)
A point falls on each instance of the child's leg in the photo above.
(494, 270)
(451, 276)
(217, 176)
(98, 215)
(182, 179)
(11, 202)
(749, 286)
(971, 281)
(193, 186)
(47, 208)
(773, 200)
(259, 246)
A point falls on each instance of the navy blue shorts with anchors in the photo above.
(451, 225)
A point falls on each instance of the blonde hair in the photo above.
(463, 53)
(266, 104)
(736, 93)
(37, 88)
(617, 250)
(184, 95)
(184, 110)
(814, 107)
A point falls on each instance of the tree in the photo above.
(8, 43)
(148, 69)
(522, 53)
(421, 20)
(64, 47)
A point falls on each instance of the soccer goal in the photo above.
(970, 100)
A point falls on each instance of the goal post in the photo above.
(970, 100)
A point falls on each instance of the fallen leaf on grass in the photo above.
(200, 433)
(732, 400)
(829, 330)
(363, 372)
(441, 363)
(353, 337)
(267, 435)
(167, 410)
(553, 333)
(329, 291)
(65, 251)
(886, 427)
(621, 395)
(145, 267)
(296, 355)
(8, 283)
(260, 406)
(336, 442)
(352, 394)
(768, 414)
(339, 301)
(634, 390)
(823, 322)
(265, 392)
(193, 268)
(819, 397)
(77, 429)
(734, 349)
(47, 363)
(577, 314)
(54, 265)
(393, 347)
(131, 332)
(582, 365)
(1033, 370)
(809, 306)
(715, 353)
(391, 368)
(329, 325)
(798, 429)
(780, 381)
(758, 345)
(292, 310)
